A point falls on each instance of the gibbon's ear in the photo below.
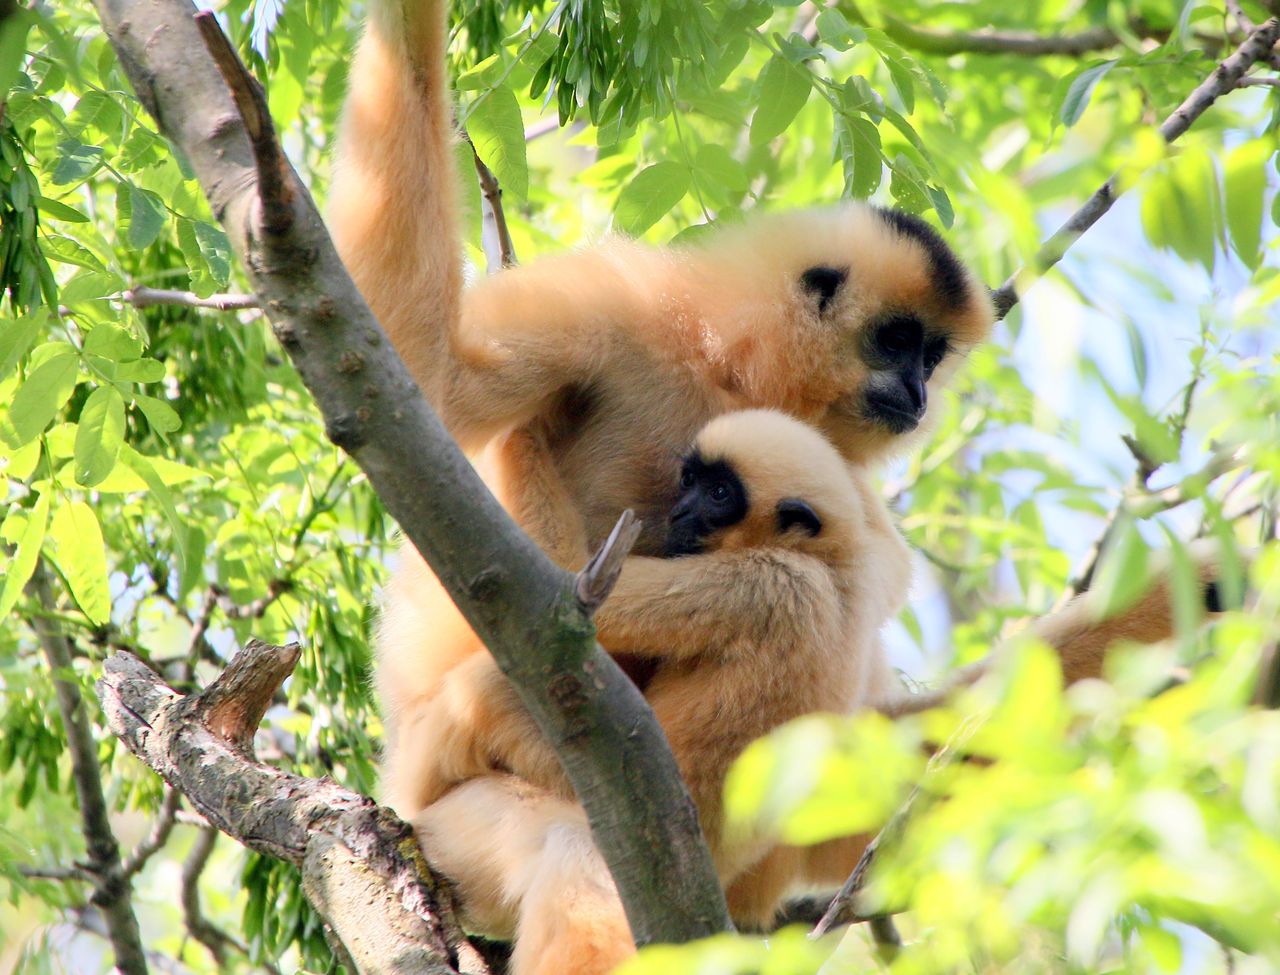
(823, 283)
(793, 511)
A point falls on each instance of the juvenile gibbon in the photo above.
(780, 566)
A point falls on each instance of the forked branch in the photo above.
(402, 921)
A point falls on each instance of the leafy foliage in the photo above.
(163, 465)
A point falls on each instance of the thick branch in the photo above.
(1225, 77)
(111, 889)
(287, 816)
(515, 598)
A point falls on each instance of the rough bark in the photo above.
(518, 601)
(361, 867)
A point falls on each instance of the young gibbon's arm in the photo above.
(715, 603)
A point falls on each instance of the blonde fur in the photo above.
(577, 382)
(584, 376)
(761, 627)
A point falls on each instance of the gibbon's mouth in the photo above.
(889, 415)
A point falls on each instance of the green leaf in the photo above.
(76, 162)
(138, 371)
(1122, 576)
(140, 215)
(143, 467)
(46, 390)
(16, 336)
(114, 343)
(497, 131)
(835, 30)
(24, 558)
(95, 108)
(1245, 179)
(1081, 90)
(784, 88)
(716, 162)
(91, 286)
(81, 557)
(652, 194)
(160, 415)
(99, 435)
(60, 211)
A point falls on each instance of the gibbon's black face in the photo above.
(900, 348)
(712, 497)
(901, 356)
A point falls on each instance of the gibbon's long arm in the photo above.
(393, 203)
(716, 603)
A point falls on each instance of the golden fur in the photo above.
(590, 372)
(577, 382)
(761, 627)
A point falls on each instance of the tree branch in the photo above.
(495, 217)
(1224, 78)
(521, 604)
(141, 297)
(159, 835)
(1027, 43)
(112, 894)
(403, 922)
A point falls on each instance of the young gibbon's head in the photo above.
(759, 478)
(850, 318)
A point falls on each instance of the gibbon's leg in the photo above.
(757, 893)
(1081, 636)
(450, 713)
(527, 869)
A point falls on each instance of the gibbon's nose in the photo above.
(913, 382)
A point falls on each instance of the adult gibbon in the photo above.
(587, 374)
(781, 565)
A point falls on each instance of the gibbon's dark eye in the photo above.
(823, 283)
(686, 479)
(899, 336)
(934, 355)
(720, 492)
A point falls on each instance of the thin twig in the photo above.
(159, 835)
(111, 889)
(1026, 43)
(495, 218)
(1257, 46)
(55, 873)
(1267, 82)
(597, 578)
(1243, 20)
(142, 297)
(215, 940)
(842, 909)
(275, 181)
